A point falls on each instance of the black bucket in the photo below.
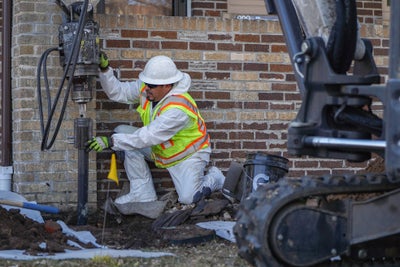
(261, 168)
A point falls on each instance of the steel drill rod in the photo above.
(82, 132)
(331, 142)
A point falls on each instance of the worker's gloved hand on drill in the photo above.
(98, 143)
(103, 61)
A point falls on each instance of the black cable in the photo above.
(73, 57)
(41, 66)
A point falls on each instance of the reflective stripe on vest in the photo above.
(144, 108)
(187, 141)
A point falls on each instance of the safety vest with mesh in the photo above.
(184, 143)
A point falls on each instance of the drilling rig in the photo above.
(79, 56)
(332, 220)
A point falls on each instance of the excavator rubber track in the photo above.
(259, 220)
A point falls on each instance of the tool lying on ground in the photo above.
(28, 205)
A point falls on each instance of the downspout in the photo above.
(6, 144)
(189, 8)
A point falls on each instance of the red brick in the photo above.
(278, 146)
(292, 97)
(165, 34)
(255, 145)
(205, 104)
(282, 106)
(218, 135)
(255, 105)
(134, 33)
(118, 44)
(281, 68)
(219, 37)
(278, 126)
(182, 65)
(202, 5)
(272, 76)
(284, 87)
(212, 13)
(241, 135)
(195, 74)
(255, 66)
(272, 39)
(248, 38)
(201, 46)
(230, 47)
(127, 64)
(306, 164)
(364, 12)
(256, 48)
(381, 51)
(222, 6)
(255, 126)
(278, 48)
(174, 45)
(270, 96)
(128, 75)
(228, 145)
(331, 164)
(217, 75)
(217, 95)
(196, 94)
(229, 66)
(227, 125)
(197, 13)
(146, 44)
(230, 105)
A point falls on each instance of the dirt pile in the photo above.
(20, 232)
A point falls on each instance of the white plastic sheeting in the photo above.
(222, 229)
(82, 254)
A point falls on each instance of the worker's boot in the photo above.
(141, 183)
(213, 181)
(140, 191)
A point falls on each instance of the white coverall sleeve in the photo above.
(163, 128)
(123, 92)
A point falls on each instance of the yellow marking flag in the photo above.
(112, 174)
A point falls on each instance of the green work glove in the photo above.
(103, 61)
(98, 143)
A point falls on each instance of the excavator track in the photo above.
(261, 215)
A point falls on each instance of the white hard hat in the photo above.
(160, 70)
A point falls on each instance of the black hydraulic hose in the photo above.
(41, 66)
(73, 57)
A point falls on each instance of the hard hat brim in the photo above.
(176, 78)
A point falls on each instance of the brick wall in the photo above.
(242, 81)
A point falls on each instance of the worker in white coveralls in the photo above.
(174, 134)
